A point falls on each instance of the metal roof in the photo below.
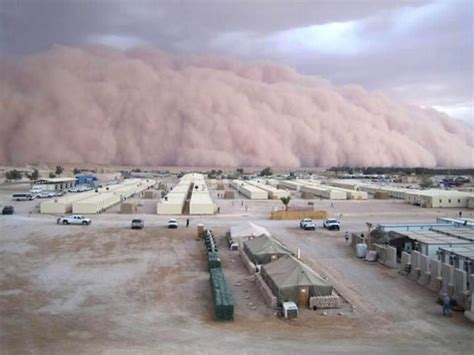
(431, 237)
(464, 233)
(466, 251)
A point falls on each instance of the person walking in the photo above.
(187, 222)
(346, 236)
(460, 214)
(446, 305)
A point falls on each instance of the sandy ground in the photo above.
(107, 289)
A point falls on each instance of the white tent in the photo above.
(248, 229)
(245, 231)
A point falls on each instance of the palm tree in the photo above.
(286, 201)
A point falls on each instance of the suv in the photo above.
(307, 224)
(8, 210)
(138, 223)
(172, 224)
(332, 224)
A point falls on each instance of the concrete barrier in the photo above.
(267, 294)
(425, 270)
(460, 292)
(447, 275)
(391, 260)
(381, 253)
(299, 214)
(415, 266)
(405, 264)
(470, 312)
(435, 277)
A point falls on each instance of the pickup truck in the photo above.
(75, 219)
(307, 224)
(332, 224)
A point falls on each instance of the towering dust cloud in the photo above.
(144, 107)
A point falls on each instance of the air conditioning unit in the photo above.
(290, 310)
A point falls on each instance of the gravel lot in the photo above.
(107, 289)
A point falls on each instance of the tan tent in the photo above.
(264, 249)
(292, 280)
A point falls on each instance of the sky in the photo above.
(418, 52)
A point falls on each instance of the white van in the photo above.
(23, 196)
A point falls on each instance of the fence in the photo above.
(299, 214)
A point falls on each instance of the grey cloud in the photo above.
(428, 62)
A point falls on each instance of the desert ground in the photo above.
(107, 289)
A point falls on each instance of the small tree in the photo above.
(34, 175)
(285, 201)
(426, 183)
(266, 172)
(240, 171)
(76, 171)
(13, 175)
(59, 170)
(51, 175)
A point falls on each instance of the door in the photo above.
(303, 296)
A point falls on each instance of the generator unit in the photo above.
(290, 310)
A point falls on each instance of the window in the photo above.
(449, 201)
(459, 200)
(440, 201)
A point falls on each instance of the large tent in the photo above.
(264, 249)
(246, 231)
(288, 278)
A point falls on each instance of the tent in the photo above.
(248, 229)
(263, 249)
(245, 231)
(289, 278)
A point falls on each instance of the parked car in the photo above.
(74, 219)
(46, 194)
(332, 224)
(8, 210)
(36, 190)
(172, 224)
(138, 223)
(307, 224)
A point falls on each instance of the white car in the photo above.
(172, 224)
(307, 224)
(332, 224)
(74, 219)
(46, 194)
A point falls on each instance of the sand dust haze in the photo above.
(145, 107)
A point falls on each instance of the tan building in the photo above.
(437, 198)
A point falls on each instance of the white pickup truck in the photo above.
(332, 224)
(74, 219)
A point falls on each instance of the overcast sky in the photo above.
(421, 52)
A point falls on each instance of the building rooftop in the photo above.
(55, 180)
(464, 233)
(431, 237)
(466, 251)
